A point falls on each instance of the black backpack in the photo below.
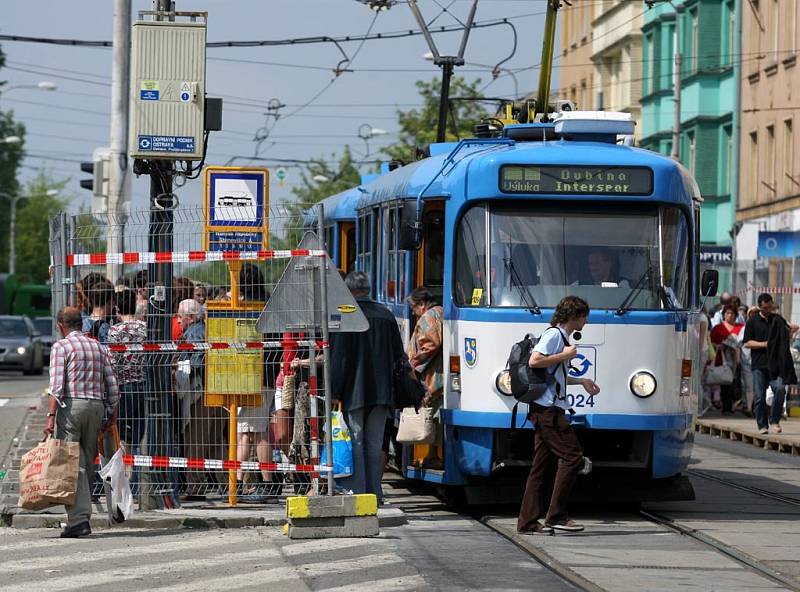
(527, 384)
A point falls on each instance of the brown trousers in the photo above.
(557, 458)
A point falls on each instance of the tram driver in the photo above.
(603, 267)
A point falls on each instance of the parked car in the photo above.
(20, 345)
(47, 335)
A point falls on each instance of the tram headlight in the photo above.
(503, 383)
(643, 384)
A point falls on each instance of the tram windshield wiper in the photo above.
(524, 290)
(625, 305)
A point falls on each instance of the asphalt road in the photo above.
(17, 394)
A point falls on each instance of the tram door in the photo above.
(430, 274)
(347, 246)
(430, 256)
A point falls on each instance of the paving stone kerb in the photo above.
(342, 527)
(323, 506)
(206, 519)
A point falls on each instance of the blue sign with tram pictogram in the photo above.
(236, 200)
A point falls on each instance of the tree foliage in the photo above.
(340, 177)
(33, 225)
(418, 126)
(10, 158)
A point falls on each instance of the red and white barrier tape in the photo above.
(207, 464)
(173, 346)
(774, 289)
(76, 260)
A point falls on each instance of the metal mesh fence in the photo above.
(210, 407)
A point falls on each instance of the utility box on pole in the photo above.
(168, 95)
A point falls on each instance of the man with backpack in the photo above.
(555, 440)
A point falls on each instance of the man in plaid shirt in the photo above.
(82, 387)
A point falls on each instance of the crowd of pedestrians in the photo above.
(362, 374)
(747, 354)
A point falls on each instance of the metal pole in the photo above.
(467, 28)
(412, 4)
(543, 95)
(676, 97)
(119, 181)
(326, 375)
(159, 316)
(65, 283)
(12, 248)
(444, 100)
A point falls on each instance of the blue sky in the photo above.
(67, 124)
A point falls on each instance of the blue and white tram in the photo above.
(511, 225)
(339, 220)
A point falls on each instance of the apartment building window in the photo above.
(586, 11)
(730, 40)
(752, 168)
(667, 61)
(692, 152)
(769, 159)
(789, 28)
(694, 50)
(728, 147)
(584, 96)
(775, 27)
(788, 158)
(756, 34)
(649, 69)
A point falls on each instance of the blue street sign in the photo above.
(235, 240)
(148, 95)
(784, 244)
(235, 199)
(177, 144)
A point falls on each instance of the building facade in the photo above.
(576, 76)
(617, 57)
(706, 34)
(769, 160)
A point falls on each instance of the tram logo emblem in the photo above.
(470, 351)
(579, 366)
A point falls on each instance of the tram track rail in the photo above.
(748, 488)
(737, 555)
(727, 550)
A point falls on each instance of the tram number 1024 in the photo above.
(580, 400)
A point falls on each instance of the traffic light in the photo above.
(100, 170)
(88, 167)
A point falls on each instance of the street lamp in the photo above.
(366, 131)
(41, 85)
(12, 251)
(320, 178)
(10, 140)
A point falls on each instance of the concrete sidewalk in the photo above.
(206, 514)
(190, 516)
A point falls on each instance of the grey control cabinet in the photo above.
(168, 79)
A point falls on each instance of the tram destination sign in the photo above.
(576, 180)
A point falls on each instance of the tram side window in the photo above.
(350, 242)
(376, 250)
(433, 278)
(365, 244)
(470, 257)
(675, 257)
(389, 255)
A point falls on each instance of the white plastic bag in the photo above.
(120, 500)
(770, 396)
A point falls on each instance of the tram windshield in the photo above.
(508, 256)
